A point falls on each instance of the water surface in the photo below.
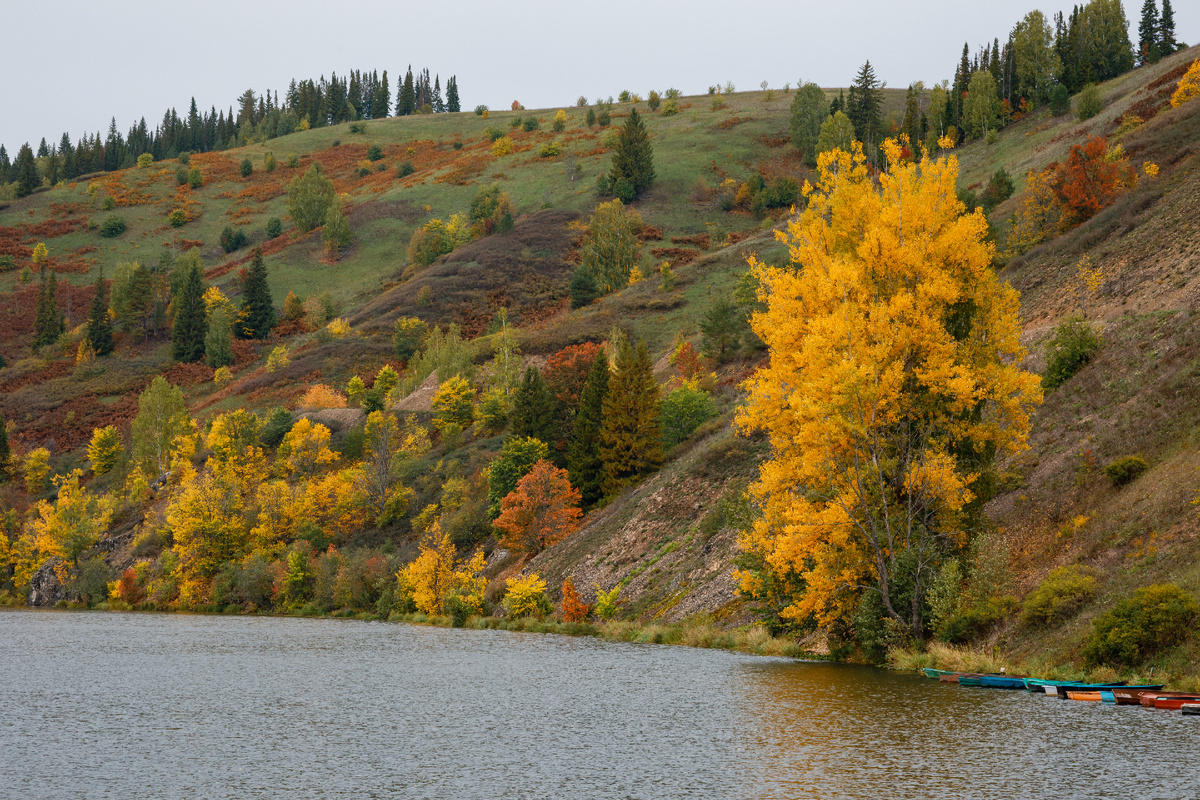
(104, 705)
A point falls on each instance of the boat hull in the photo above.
(1175, 703)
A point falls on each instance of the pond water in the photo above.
(106, 705)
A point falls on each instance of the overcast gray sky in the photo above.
(71, 66)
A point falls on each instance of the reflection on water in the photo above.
(111, 705)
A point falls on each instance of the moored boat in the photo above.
(1191, 709)
(1086, 695)
(1122, 697)
(930, 672)
(955, 677)
(1002, 681)
(1175, 702)
(1063, 689)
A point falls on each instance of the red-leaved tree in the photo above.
(573, 608)
(542, 510)
(1090, 179)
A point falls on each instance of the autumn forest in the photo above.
(871, 373)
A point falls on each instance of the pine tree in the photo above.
(584, 464)
(407, 99)
(1166, 30)
(27, 177)
(633, 158)
(438, 105)
(187, 335)
(452, 102)
(99, 325)
(48, 322)
(383, 98)
(630, 434)
(1148, 30)
(533, 408)
(258, 309)
(864, 107)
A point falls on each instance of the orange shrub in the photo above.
(321, 396)
(573, 608)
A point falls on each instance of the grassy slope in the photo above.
(1134, 398)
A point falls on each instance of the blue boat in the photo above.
(1002, 682)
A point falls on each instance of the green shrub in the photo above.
(112, 226)
(1072, 345)
(530, 124)
(405, 169)
(974, 621)
(274, 227)
(293, 161)
(181, 176)
(999, 189)
(358, 127)
(549, 150)
(270, 163)
(480, 110)
(177, 218)
(1063, 592)
(1090, 103)
(374, 153)
(1126, 470)
(1060, 100)
(108, 203)
(194, 178)
(682, 411)
(493, 133)
(247, 167)
(232, 239)
(603, 118)
(1153, 619)
(184, 157)
(583, 288)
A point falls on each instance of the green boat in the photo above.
(1038, 685)
(930, 672)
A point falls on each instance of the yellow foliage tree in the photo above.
(70, 525)
(207, 521)
(104, 449)
(891, 388)
(1038, 217)
(305, 449)
(437, 573)
(1189, 86)
(281, 509)
(526, 597)
(37, 469)
(453, 405)
(337, 504)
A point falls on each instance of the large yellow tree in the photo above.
(892, 387)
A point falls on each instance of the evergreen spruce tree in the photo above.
(438, 105)
(187, 335)
(1166, 30)
(584, 465)
(27, 177)
(452, 102)
(48, 322)
(407, 100)
(533, 408)
(865, 108)
(383, 98)
(99, 325)
(258, 309)
(630, 434)
(633, 158)
(1148, 30)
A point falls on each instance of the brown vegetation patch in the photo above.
(701, 240)
(650, 233)
(525, 269)
(189, 374)
(678, 256)
(731, 122)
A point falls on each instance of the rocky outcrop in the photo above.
(44, 587)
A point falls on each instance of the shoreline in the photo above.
(751, 640)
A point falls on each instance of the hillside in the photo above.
(670, 540)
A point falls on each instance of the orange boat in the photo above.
(1087, 695)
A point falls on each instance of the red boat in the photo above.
(952, 677)
(1174, 701)
(1129, 697)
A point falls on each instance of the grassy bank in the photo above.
(962, 659)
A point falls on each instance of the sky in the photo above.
(85, 62)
